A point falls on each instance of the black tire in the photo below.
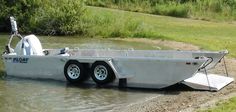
(101, 73)
(71, 70)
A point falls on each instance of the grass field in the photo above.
(223, 106)
(208, 35)
(199, 9)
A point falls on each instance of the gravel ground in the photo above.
(184, 99)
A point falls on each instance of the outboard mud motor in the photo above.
(28, 45)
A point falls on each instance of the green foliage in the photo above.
(61, 17)
(171, 9)
(114, 24)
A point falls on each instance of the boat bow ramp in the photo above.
(212, 82)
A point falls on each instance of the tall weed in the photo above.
(171, 9)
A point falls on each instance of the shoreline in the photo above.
(183, 100)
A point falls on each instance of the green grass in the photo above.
(200, 9)
(206, 34)
(223, 106)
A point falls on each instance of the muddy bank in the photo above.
(186, 100)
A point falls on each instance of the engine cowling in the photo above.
(29, 45)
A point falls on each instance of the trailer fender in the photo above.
(118, 74)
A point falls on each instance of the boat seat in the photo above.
(29, 45)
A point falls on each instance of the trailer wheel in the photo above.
(74, 72)
(102, 73)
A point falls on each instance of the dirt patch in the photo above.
(184, 100)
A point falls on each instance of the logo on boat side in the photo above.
(20, 60)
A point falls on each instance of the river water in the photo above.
(22, 95)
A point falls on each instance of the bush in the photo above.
(176, 10)
(60, 17)
(108, 24)
(3, 9)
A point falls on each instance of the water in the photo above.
(18, 95)
(22, 95)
